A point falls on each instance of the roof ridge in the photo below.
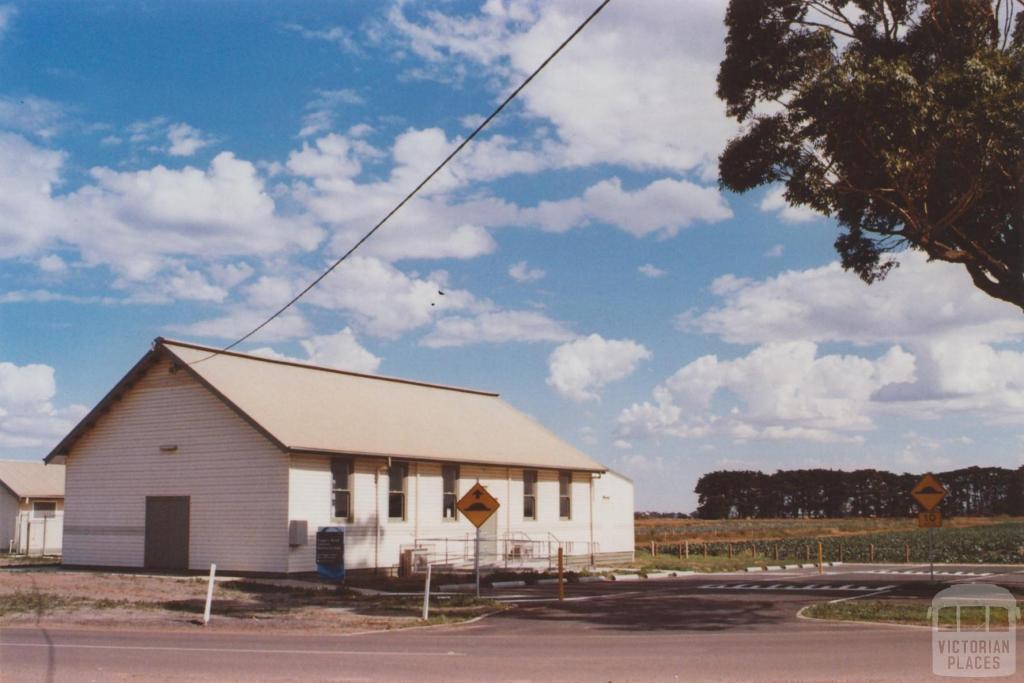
(163, 341)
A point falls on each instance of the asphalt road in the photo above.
(726, 627)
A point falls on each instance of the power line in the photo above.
(416, 189)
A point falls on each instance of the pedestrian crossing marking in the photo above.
(918, 572)
(790, 587)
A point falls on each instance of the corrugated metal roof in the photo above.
(28, 479)
(307, 408)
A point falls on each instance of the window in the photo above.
(529, 494)
(565, 495)
(41, 510)
(449, 480)
(396, 490)
(341, 488)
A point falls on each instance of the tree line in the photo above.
(979, 491)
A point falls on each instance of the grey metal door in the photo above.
(167, 519)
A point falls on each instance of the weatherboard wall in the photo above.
(374, 540)
(236, 479)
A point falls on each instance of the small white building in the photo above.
(31, 507)
(197, 457)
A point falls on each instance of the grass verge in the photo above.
(713, 563)
(913, 612)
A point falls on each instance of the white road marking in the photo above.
(858, 597)
(793, 587)
(161, 648)
(915, 572)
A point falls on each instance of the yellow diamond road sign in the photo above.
(477, 505)
(928, 492)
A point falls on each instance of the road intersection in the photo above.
(730, 627)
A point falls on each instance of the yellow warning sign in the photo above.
(929, 492)
(477, 505)
(927, 520)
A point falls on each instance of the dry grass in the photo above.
(57, 597)
(738, 530)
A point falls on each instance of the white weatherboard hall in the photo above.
(31, 507)
(197, 457)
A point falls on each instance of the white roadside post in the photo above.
(426, 595)
(209, 595)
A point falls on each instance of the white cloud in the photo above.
(521, 272)
(182, 283)
(185, 140)
(776, 251)
(30, 114)
(439, 225)
(28, 419)
(321, 111)
(340, 350)
(959, 342)
(7, 14)
(333, 158)
(578, 369)
(29, 218)
(774, 201)
(780, 390)
(51, 263)
(918, 302)
(434, 225)
(147, 130)
(496, 327)
(663, 208)
(385, 302)
(290, 325)
(142, 222)
(229, 275)
(130, 220)
(637, 88)
(339, 36)
(651, 271)
(379, 300)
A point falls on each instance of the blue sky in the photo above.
(181, 169)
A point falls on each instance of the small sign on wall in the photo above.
(330, 552)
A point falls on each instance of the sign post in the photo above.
(477, 506)
(929, 493)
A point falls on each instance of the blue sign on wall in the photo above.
(330, 552)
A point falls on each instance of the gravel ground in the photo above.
(56, 597)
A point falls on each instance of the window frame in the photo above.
(530, 494)
(403, 492)
(335, 489)
(565, 498)
(44, 514)
(454, 493)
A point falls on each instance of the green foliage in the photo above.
(903, 612)
(861, 493)
(902, 121)
(991, 543)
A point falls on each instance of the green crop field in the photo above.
(961, 540)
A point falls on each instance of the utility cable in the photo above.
(415, 190)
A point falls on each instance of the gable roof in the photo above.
(310, 409)
(27, 479)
